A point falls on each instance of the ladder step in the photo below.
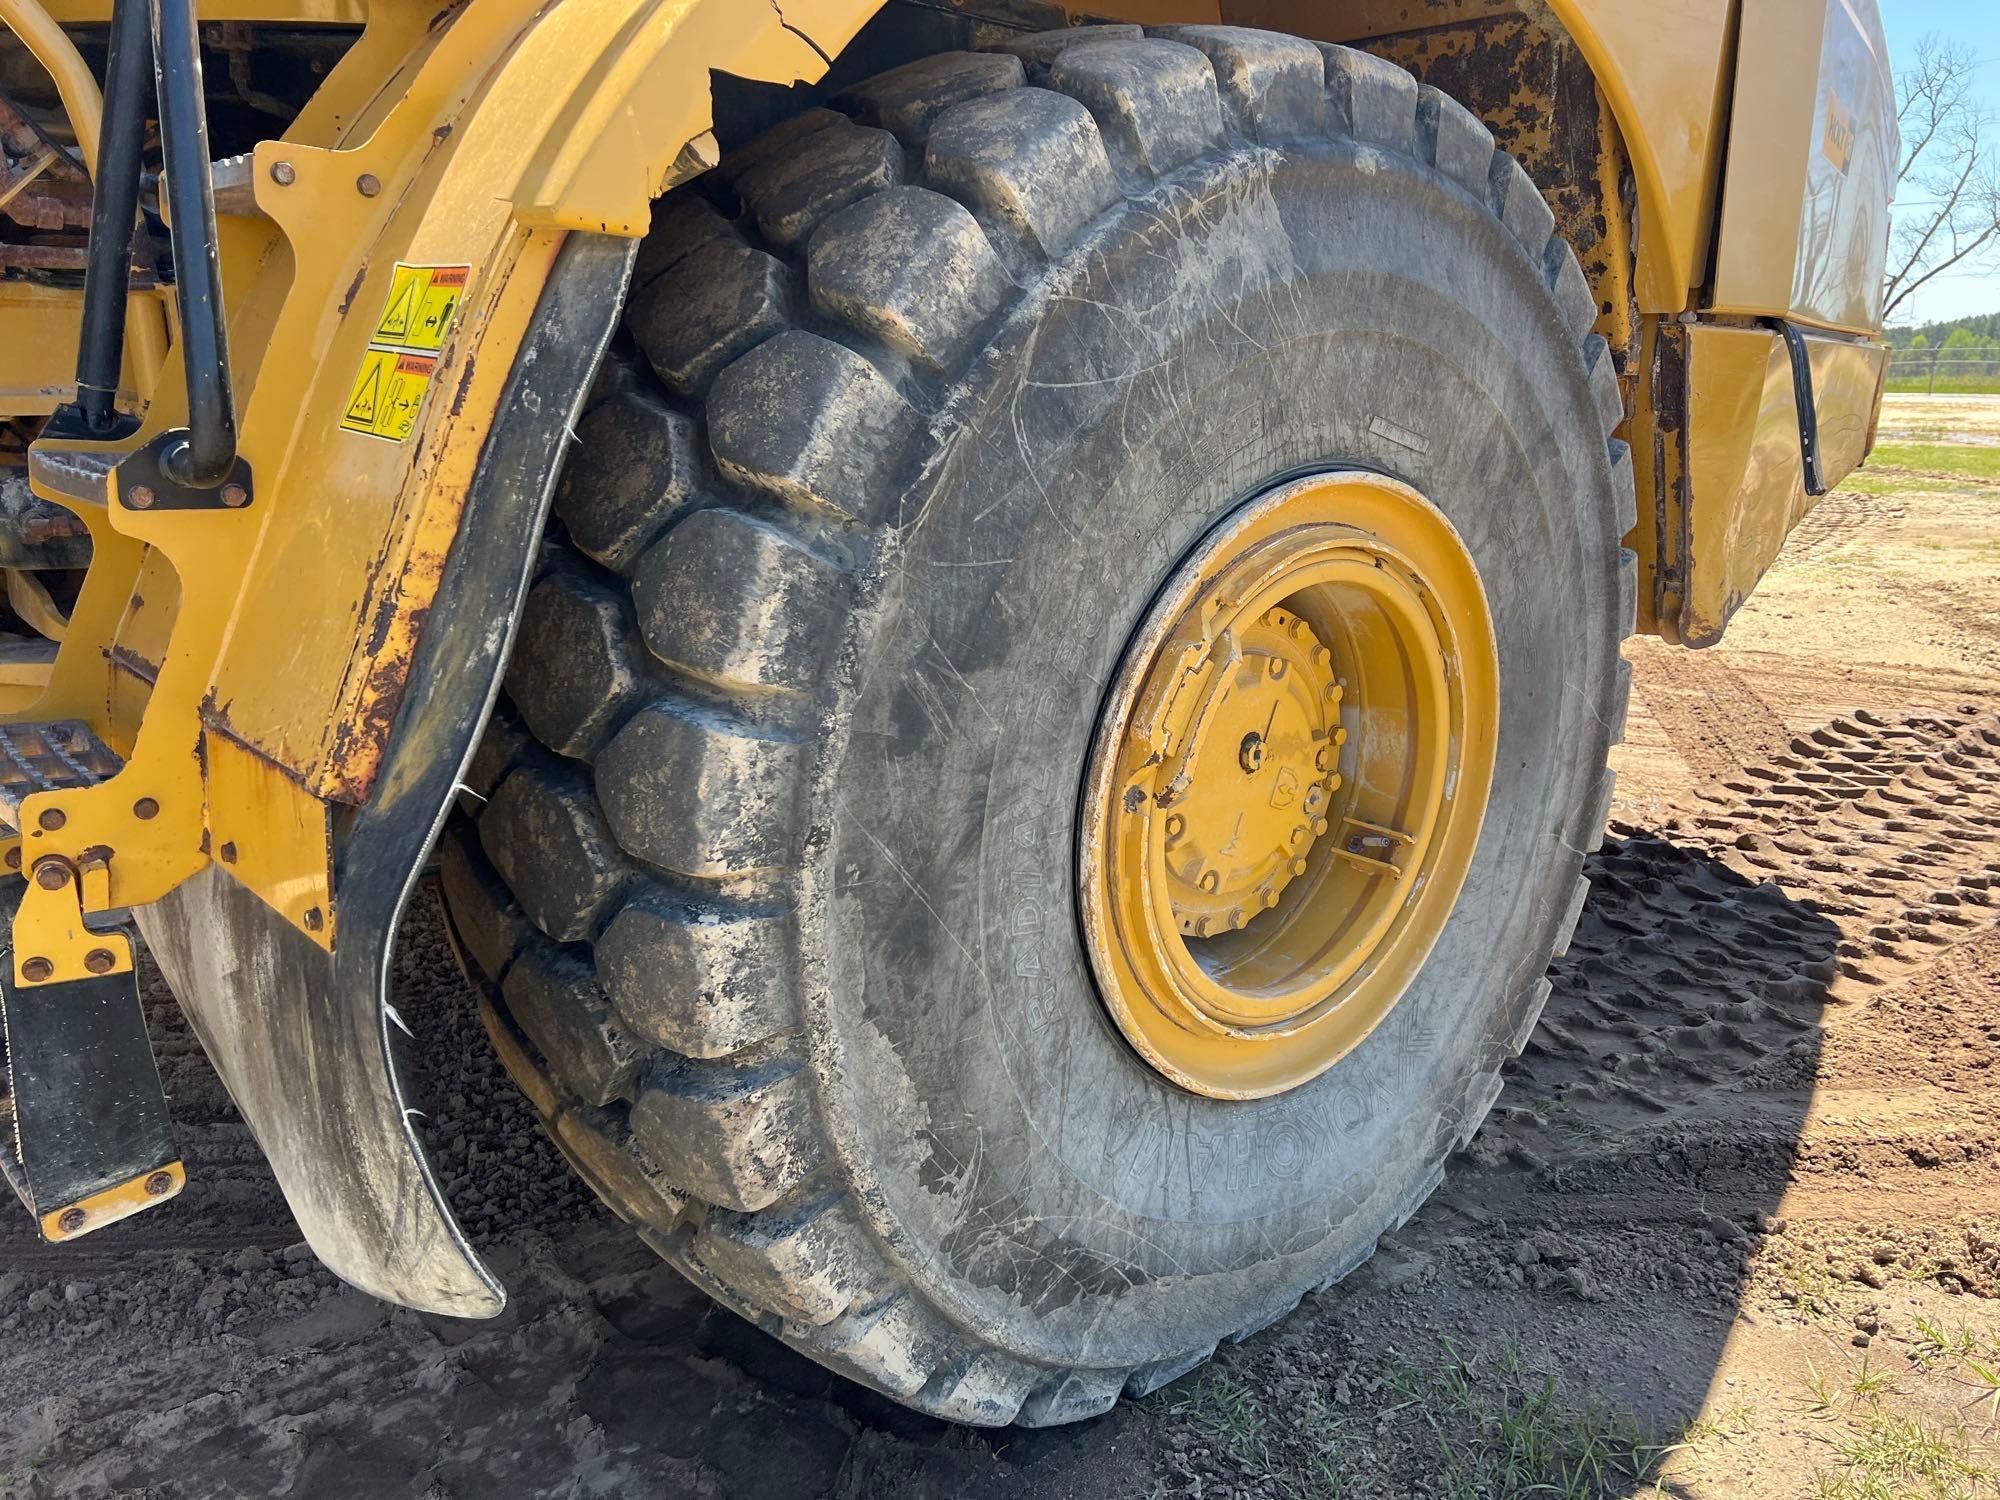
(49, 758)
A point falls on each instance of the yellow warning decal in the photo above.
(402, 351)
(387, 393)
(422, 302)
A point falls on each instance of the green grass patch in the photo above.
(1897, 1457)
(1511, 1432)
(1958, 459)
(1944, 385)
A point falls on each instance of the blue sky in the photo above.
(1976, 23)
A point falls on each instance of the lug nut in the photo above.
(35, 970)
(100, 961)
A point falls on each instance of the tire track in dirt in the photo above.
(1712, 716)
(1718, 951)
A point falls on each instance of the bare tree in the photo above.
(1948, 180)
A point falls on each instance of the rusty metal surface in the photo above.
(301, 1036)
(1536, 92)
(34, 533)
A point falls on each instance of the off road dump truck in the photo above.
(1001, 625)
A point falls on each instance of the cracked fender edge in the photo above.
(301, 1037)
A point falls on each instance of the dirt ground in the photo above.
(1732, 1231)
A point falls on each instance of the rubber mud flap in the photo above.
(301, 1037)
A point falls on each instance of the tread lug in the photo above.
(1519, 203)
(690, 792)
(1565, 278)
(792, 192)
(1155, 103)
(807, 1262)
(912, 268)
(1625, 486)
(548, 839)
(636, 466)
(574, 671)
(1029, 161)
(601, 1145)
(553, 997)
(721, 302)
(1454, 140)
(1273, 87)
(1604, 388)
(905, 100)
(484, 914)
(736, 1133)
(700, 979)
(736, 601)
(800, 417)
(1370, 98)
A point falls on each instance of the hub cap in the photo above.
(1287, 784)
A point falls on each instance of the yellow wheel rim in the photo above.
(1287, 784)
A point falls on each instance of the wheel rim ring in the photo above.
(1237, 1006)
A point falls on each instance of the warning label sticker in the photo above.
(402, 351)
(387, 393)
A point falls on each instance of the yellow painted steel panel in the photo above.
(1812, 158)
(1660, 64)
(1746, 481)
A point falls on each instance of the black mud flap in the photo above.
(301, 1037)
(90, 1141)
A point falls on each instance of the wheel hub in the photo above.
(1256, 719)
(1287, 784)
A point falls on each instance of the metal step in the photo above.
(49, 758)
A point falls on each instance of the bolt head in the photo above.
(284, 173)
(158, 1183)
(315, 919)
(227, 854)
(100, 960)
(72, 1220)
(139, 497)
(368, 184)
(51, 819)
(14, 858)
(1250, 754)
(52, 874)
(234, 495)
(145, 808)
(35, 970)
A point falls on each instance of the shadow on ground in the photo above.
(1574, 1283)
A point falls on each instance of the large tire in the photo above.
(772, 889)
